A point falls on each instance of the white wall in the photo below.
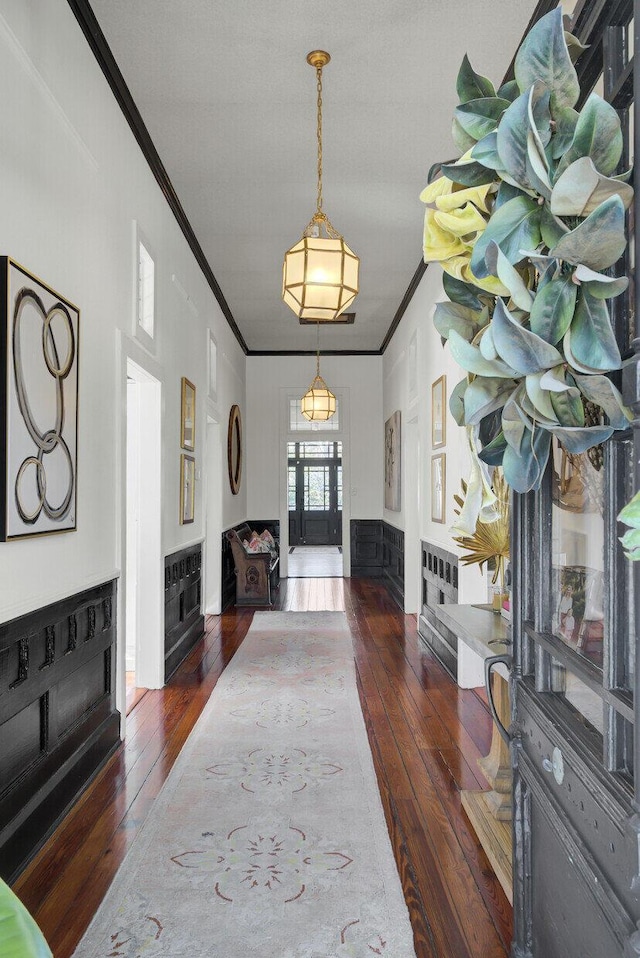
(72, 183)
(357, 380)
(416, 340)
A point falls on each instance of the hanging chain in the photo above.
(319, 221)
(317, 350)
(319, 136)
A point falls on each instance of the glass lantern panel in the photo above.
(294, 267)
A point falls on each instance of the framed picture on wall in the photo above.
(392, 452)
(39, 418)
(438, 413)
(187, 489)
(438, 487)
(188, 415)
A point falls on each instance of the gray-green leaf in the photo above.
(523, 470)
(630, 515)
(540, 398)
(520, 348)
(456, 401)
(461, 139)
(551, 228)
(544, 56)
(514, 128)
(590, 337)
(450, 316)
(598, 135)
(581, 189)
(468, 173)
(597, 242)
(480, 117)
(599, 284)
(514, 227)
(486, 152)
(566, 121)
(483, 396)
(568, 407)
(471, 85)
(499, 266)
(580, 438)
(471, 359)
(463, 293)
(600, 390)
(553, 309)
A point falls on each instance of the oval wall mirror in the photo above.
(234, 449)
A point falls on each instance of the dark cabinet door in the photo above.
(575, 681)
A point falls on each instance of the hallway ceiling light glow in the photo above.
(318, 403)
(320, 272)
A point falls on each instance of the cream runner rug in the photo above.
(268, 838)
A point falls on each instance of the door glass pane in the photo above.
(625, 637)
(583, 700)
(316, 488)
(291, 487)
(339, 485)
(578, 551)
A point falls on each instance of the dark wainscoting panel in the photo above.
(393, 561)
(58, 718)
(183, 619)
(439, 586)
(228, 592)
(366, 548)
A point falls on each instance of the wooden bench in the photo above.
(256, 572)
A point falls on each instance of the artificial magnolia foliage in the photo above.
(524, 224)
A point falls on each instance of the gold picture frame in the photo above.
(187, 489)
(439, 413)
(439, 487)
(188, 415)
(234, 449)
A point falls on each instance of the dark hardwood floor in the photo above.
(425, 734)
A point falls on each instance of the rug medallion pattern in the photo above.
(268, 839)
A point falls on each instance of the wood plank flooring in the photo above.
(425, 734)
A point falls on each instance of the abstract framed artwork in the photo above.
(438, 413)
(438, 487)
(392, 453)
(187, 489)
(188, 415)
(39, 424)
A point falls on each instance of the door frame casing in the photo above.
(342, 434)
(151, 664)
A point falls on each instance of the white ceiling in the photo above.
(226, 93)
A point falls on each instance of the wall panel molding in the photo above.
(58, 720)
(183, 618)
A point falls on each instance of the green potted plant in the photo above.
(20, 937)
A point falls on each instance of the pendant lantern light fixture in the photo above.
(318, 403)
(320, 273)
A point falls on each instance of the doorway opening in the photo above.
(314, 489)
(144, 646)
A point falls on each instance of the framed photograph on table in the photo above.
(188, 415)
(187, 489)
(438, 487)
(438, 413)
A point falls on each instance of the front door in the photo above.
(315, 493)
(575, 678)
